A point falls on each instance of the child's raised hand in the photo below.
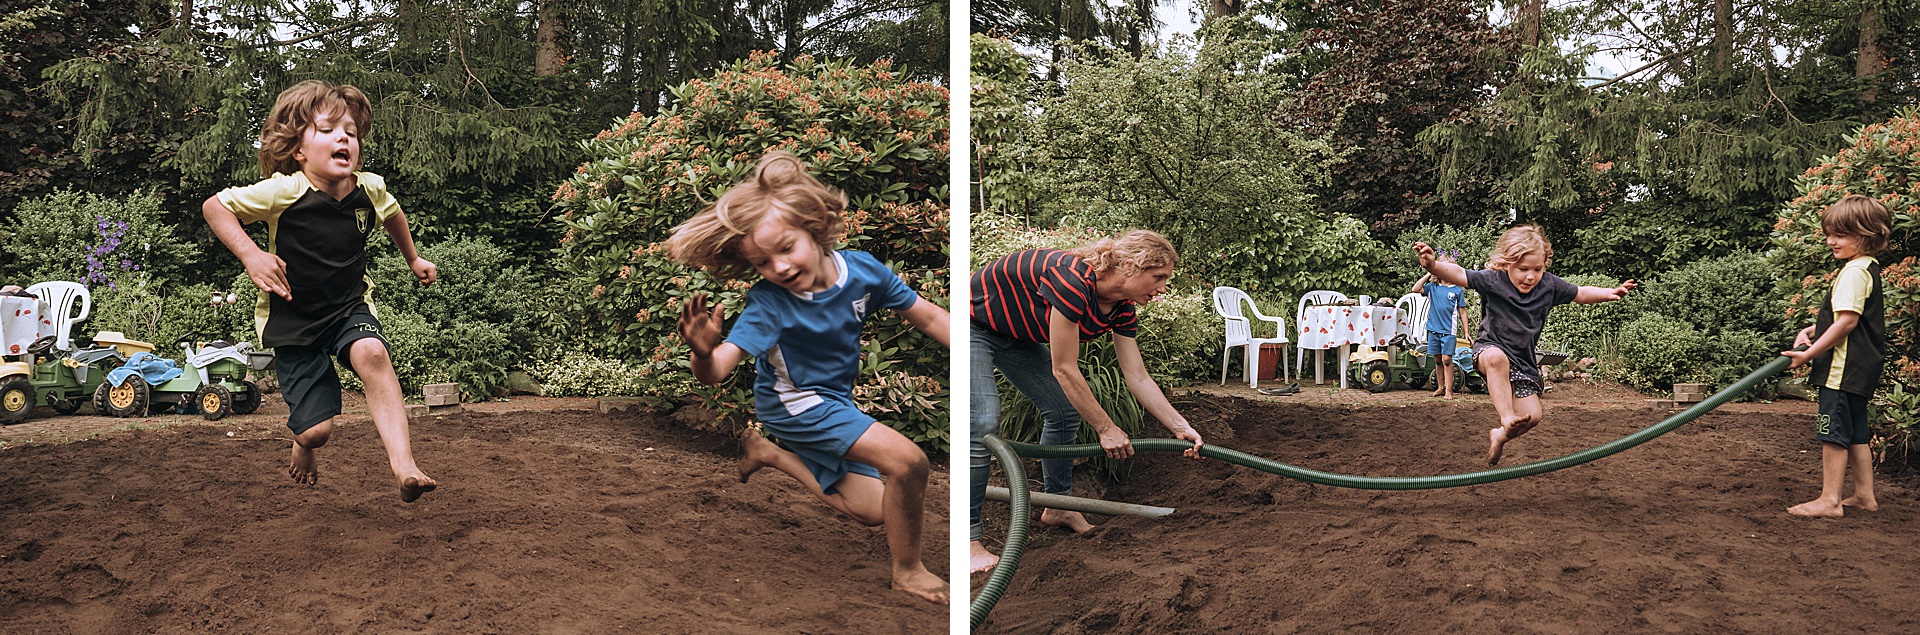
(699, 325)
(1426, 254)
(268, 272)
(424, 270)
(1620, 292)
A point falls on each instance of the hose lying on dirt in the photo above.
(1006, 451)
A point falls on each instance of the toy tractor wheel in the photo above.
(247, 402)
(66, 406)
(214, 401)
(1416, 379)
(16, 400)
(1377, 376)
(129, 399)
(1475, 383)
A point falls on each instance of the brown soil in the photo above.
(550, 517)
(1687, 533)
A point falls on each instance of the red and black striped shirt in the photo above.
(1014, 295)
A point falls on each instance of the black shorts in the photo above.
(1524, 385)
(307, 379)
(1843, 418)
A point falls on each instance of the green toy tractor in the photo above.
(214, 383)
(1401, 362)
(61, 382)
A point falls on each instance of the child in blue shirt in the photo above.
(1444, 301)
(802, 326)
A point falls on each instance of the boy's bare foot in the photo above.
(922, 583)
(1449, 395)
(413, 486)
(1868, 504)
(1437, 393)
(758, 452)
(1498, 437)
(978, 558)
(1071, 520)
(301, 468)
(1818, 508)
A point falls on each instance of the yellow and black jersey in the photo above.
(324, 243)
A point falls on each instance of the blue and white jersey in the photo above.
(807, 345)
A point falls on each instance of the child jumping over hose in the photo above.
(802, 326)
(316, 304)
(1516, 293)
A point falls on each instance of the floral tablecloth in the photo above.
(1327, 326)
(22, 320)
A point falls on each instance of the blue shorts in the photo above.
(822, 436)
(1441, 343)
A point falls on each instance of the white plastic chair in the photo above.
(1300, 317)
(60, 297)
(1226, 302)
(1413, 309)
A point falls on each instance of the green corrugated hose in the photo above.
(1004, 451)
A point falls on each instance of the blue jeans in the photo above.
(1029, 367)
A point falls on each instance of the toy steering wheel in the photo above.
(42, 345)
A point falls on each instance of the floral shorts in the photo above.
(1524, 385)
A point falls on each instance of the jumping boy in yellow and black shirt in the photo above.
(316, 300)
(1852, 325)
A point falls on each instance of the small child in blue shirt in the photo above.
(802, 326)
(1446, 307)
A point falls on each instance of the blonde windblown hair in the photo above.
(1138, 250)
(780, 186)
(1516, 243)
(295, 110)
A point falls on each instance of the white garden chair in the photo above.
(1412, 309)
(60, 297)
(1226, 302)
(1299, 317)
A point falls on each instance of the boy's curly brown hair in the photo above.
(780, 185)
(1858, 215)
(295, 110)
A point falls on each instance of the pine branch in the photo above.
(1667, 58)
(323, 33)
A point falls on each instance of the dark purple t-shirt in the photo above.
(1512, 320)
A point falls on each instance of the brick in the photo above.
(415, 410)
(442, 400)
(441, 389)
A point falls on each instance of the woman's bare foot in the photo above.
(978, 558)
(411, 487)
(1498, 437)
(923, 583)
(758, 451)
(1818, 508)
(1868, 503)
(1071, 520)
(302, 468)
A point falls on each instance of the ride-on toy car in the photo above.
(62, 382)
(214, 382)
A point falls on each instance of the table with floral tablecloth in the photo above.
(1329, 325)
(22, 320)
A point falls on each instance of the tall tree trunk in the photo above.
(185, 19)
(624, 75)
(791, 23)
(550, 55)
(1530, 13)
(1872, 59)
(1059, 31)
(1223, 8)
(1722, 34)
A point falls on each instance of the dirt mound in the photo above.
(1687, 533)
(544, 522)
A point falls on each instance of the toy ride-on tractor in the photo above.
(214, 382)
(63, 382)
(1400, 362)
(1467, 377)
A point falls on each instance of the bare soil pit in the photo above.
(1687, 533)
(552, 519)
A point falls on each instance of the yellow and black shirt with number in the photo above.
(324, 243)
(1854, 365)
